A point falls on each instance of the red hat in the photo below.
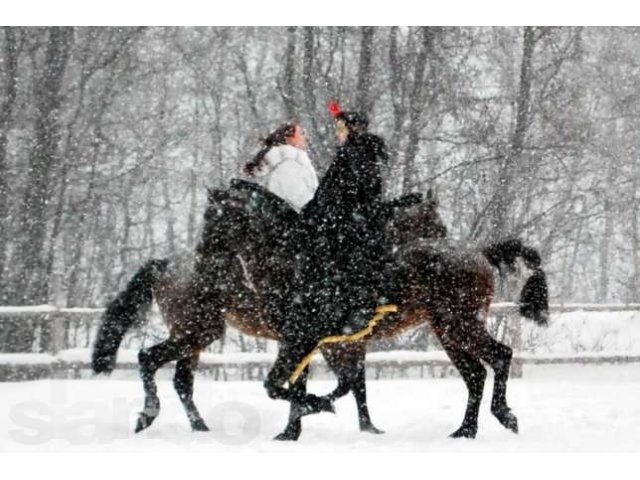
(334, 108)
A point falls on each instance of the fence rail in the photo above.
(56, 361)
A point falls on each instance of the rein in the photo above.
(381, 311)
(248, 281)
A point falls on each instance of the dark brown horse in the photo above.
(243, 287)
(245, 275)
(449, 287)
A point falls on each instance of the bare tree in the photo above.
(9, 82)
(364, 100)
(287, 84)
(417, 101)
(503, 190)
(31, 284)
(109, 135)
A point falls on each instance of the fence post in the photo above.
(58, 331)
(515, 322)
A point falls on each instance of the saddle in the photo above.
(262, 201)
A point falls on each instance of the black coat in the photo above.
(345, 244)
(352, 186)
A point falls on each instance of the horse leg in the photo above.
(499, 356)
(183, 384)
(294, 427)
(359, 390)
(474, 375)
(289, 355)
(150, 360)
(347, 362)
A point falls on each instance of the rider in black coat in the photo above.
(343, 255)
(345, 248)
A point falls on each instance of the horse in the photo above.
(242, 288)
(245, 276)
(443, 284)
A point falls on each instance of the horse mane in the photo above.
(248, 219)
(417, 222)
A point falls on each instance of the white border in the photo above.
(319, 12)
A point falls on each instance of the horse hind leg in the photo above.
(183, 384)
(347, 362)
(498, 356)
(474, 375)
(150, 361)
(359, 390)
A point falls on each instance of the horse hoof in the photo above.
(286, 437)
(510, 423)
(144, 421)
(464, 432)
(324, 404)
(327, 405)
(507, 419)
(371, 429)
(199, 426)
(314, 404)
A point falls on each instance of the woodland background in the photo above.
(108, 137)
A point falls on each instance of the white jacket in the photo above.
(288, 173)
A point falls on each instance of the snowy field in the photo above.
(566, 408)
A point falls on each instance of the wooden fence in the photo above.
(57, 358)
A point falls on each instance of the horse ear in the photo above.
(432, 196)
(216, 196)
(210, 195)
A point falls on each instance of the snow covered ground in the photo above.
(567, 408)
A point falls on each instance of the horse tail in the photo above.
(534, 297)
(125, 311)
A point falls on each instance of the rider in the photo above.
(344, 271)
(283, 167)
(343, 255)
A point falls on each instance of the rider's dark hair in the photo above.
(275, 138)
(356, 122)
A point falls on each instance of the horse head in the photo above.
(420, 221)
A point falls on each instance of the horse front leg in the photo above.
(294, 427)
(290, 354)
(348, 363)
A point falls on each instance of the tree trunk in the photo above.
(125, 233)
(308, 80)
(8, 78)
(364, 101)
(395, 85)
(605, 247)
(609, 215)
(31, 285)
(503, 195)
(287, 88)
(634, 295)
(171, 239)
(416, 105)
(77, 248)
